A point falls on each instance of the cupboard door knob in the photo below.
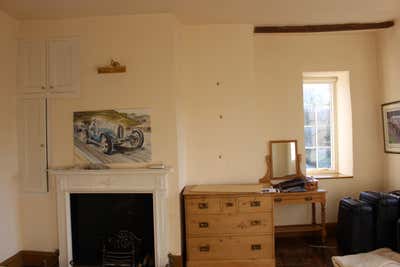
(51, 87)
(205, 248)
(278, 199)
(256, 247)
(255, 222)
(41, 145)
(43, 87)
(308, 198)
(255, 204)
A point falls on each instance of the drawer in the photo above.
(230, 248)
(229, 205)
(254, 204)
(203, 205)
(230, 223)
(298, 199)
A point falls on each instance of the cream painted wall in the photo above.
(10, 238)
(389, 42)
(280, 62)
(146, 45)
(218, 94)
(260, 99)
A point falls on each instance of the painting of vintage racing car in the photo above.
(112, 136)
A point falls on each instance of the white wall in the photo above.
(146, 45)
(260, 98)
(218, 94)
(9, 203)
(389, 42)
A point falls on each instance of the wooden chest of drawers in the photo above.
(228, 225)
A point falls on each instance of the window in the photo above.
(319, 125)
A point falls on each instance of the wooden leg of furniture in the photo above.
(314, 220)
(323, 222)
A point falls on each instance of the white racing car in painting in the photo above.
(110, 134)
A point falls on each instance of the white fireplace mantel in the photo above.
(112, 181)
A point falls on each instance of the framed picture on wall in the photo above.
(118, 136)
(391, 126)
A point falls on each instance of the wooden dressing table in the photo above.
(233, 225)
(311, 197)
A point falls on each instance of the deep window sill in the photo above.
(329, 176)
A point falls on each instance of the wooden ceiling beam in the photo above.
(324, 28)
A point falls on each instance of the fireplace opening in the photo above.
(112, 230)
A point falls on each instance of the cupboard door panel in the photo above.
(63, 66)
(32, 67)
(34, 145)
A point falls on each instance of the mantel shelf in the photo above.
(126, 171)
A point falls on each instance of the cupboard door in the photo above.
(63, 66)
(34, 145)
(32, 67)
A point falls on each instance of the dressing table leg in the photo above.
(314, 220)
(323, 222)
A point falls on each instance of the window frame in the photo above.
(334, 148)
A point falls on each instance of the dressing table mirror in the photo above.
(283, 161)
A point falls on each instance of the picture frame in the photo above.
(112, 137)
(391, 127)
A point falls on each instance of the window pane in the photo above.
(317, 93)
(311, 161)
(324, 115)
(318, 124)
(309, 116)
(309, 136)
(324, 158)
(324, 136)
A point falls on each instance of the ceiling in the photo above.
(266, 12)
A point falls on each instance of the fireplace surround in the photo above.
(123, 181)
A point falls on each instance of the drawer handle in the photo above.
(308, 198)
(203, 225)
(205, 248)
(229, 204)
(203, 206)
(278, 199)
(255, 204)
(255, 222)
(256, 247)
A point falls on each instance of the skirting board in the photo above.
(32, 258)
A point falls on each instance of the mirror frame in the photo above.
(271, 143)
(268, 160)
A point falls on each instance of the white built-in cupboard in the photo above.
(46, 69)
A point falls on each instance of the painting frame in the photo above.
(391, 126)
(112, 137)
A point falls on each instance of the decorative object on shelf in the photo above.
(112, 136)
(114, 67)
(391, 126)
(160, 166)
(283, 162)
(311, 184)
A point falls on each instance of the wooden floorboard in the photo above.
(305, 252)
